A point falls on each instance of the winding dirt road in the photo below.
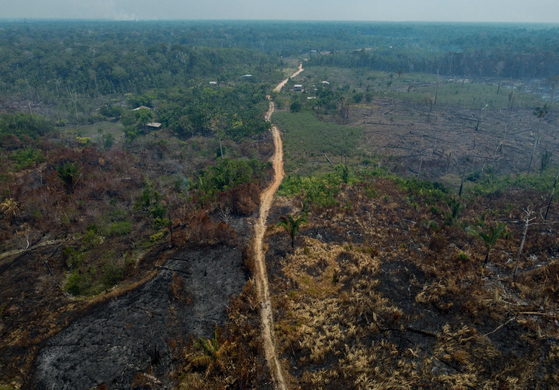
(266, 199)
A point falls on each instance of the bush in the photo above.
(78, 284)
(120, 229)
(24, 158)
(112, 274)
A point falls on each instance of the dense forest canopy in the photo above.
(58, 59)
(111, 57)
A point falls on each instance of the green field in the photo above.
(416, 87)
(96, 131)
(306, 140)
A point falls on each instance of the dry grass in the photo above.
(384, 300)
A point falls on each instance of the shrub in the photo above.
(120, 229)
(24, 158)
(78, 284)
(112, 274)
(70, 174)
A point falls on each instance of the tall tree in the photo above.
(292, 225)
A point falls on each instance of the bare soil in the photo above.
(442, 139)
(266, 200)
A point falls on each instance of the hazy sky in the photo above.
(390, 10)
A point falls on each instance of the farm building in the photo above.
(154, 126)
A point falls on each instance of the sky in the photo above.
(529, 11)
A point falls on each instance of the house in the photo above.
(297, 88)
(213, 83)
(138, 108)
(154, 125)
(325, 83)
(246, 76)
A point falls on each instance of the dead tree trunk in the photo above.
(551, 198)
(463, 177)
(527, 221)
(533, 151)
(419, 170)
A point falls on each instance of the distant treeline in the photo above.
(48, 60)
(498, 62)
(44, 61)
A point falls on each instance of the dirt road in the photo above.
(280, 86)
(261, 276)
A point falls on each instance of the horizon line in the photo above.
(26, 19)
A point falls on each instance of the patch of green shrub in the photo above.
(119, 229)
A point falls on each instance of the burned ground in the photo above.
(410, 305)
(132, 333)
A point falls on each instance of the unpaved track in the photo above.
(266, 199)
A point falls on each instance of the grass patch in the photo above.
(96, 131)
(470, 95)
(306, 140)
(451, 91)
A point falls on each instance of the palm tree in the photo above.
(10, 208)
(292, 225)
(70, 174)
(213, 352)
(344, 172)
(540, 113)
(491, 238)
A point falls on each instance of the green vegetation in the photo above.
(292, 225)
(306, 139)
(420, 87)
(25, 125)
(320, 190)
(228, 174)
(24, 158)
(70, 174)
(491, 237)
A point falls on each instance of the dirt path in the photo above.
(266, 199)
(280, 86)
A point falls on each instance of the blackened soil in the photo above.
(118, 339)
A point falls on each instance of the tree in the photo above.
(295, 106)
(545, 159)
(109, 140)
(358, 97)
(10, 209)
(143, 116)
(344, 172)
(551, 197)
(70, 174)
(292, 225)
(553, 82)
(540, 113)
(491, 238)
(213, 353)
(527, 222)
